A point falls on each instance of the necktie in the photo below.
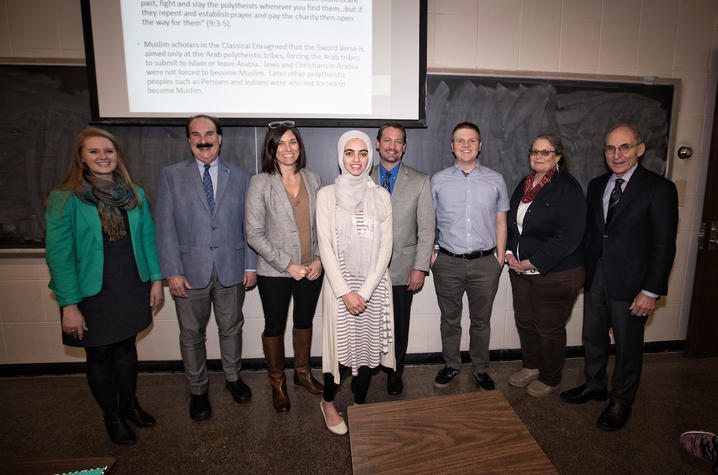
(387, 181)
(614, 199)
(208, 190)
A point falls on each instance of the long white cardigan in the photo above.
(334, 285)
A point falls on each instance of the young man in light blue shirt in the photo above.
(471, 202)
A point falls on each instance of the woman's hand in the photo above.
(511, 260)
(354, 303)
(296, 271)
(314, 269)
(157, 295)
(521, 266)
(73, 323)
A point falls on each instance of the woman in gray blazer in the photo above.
(279, 215)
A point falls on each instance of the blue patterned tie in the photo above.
(387, 182)
(208, 190)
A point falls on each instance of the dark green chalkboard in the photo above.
(45, 107)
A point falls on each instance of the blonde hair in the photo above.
(74, 174)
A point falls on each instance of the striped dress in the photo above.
(361, 339)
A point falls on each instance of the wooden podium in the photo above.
(465, 433)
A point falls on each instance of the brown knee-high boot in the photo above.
(302, 369)
(274, 356)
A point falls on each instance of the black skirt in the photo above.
(122, 307)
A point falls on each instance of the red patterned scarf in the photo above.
(530, 193)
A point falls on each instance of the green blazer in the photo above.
(74, 248)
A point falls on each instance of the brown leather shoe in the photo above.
(302, 369)
(274, 356)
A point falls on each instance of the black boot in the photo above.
(138, 416)
(118, 430)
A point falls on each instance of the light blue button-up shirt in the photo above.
(466, 207)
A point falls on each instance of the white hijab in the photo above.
(358, 195)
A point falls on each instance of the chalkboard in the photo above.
(45, 107)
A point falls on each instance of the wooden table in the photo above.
(51, 466)
(466, 433)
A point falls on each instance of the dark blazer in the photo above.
(190, 239)
(553, 226)
(639, 244)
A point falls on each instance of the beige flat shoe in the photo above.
(522, 378)
(339, 429)
(539, 389)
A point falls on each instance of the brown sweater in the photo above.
(300, 206)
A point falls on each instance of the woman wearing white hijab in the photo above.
(354, 230)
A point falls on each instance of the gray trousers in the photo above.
(479, 278)
(193, 315)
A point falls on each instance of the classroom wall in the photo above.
(665, 38)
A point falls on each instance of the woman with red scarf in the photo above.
(545, 257)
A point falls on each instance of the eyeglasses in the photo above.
(279, 123)
(624, 148)
(543, 153)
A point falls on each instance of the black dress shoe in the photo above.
(138, 416)
(199, 407)
(614, 417)
(240, 391)
(394, 385)
(582, 394)
(118, 430)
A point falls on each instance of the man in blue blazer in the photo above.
(630, 245)
(204, 256)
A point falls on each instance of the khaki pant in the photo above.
(479, 278)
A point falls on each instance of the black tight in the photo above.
(275, 293)
(360, 384)
(112, 373)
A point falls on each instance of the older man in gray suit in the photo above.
(414, 225)
(204, 256)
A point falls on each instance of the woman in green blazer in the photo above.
(100, 249)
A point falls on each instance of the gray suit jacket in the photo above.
(190, 240)
(414, 223)
(271, 229)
